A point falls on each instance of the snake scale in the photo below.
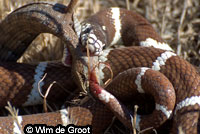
(137, 70)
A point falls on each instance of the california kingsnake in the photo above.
(112, 25)
(18, 30)
(174, 68)
(19, 83)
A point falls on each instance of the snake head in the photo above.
(93, 35)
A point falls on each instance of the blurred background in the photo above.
(177, 21)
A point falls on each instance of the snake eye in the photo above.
(83, 78)
(87, 30)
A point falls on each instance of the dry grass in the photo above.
(177, 21)
(14, 114)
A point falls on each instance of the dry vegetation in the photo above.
(177, 21)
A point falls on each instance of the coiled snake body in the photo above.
(175, 87)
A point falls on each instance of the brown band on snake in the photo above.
(172, 66)
(23, 25)
(90, 113)
(182, 75)
(19, 83)
(152, 82)
(114, 25)
(18, 31)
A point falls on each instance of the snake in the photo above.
(149, 68)
(19, 81)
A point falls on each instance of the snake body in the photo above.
(19, 83)
(18, 80)
(112, 25)
(116, 25)
(158, 86)
(24, 24)
(187, 96)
